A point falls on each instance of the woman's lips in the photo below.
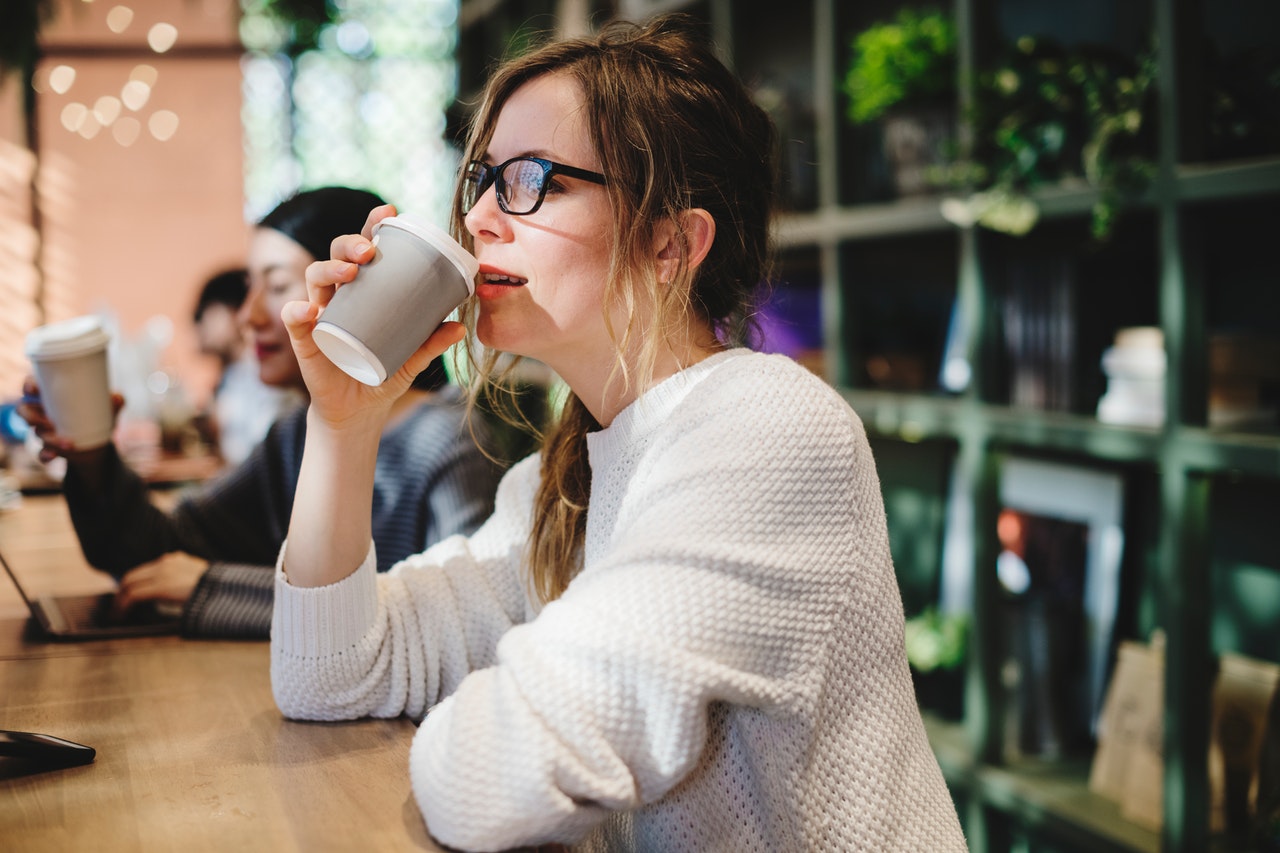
(486, 290)
(494, 284)
(264, 351)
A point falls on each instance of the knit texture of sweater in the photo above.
(431, 481)
(725, 673)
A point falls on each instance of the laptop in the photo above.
(90, 617)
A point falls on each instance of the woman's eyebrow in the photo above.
(540, 153)
(274, 268)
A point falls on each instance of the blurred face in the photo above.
(219, 332)
(277, 274)
(542, 276)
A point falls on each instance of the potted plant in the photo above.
(936, 645)
(288, 26)
(1048, 115)
(901, 74)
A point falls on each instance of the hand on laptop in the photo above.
(172, 579)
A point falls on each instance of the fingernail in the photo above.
(361, 248)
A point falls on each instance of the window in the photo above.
(365, 107)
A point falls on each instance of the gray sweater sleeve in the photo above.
(240, 515)
(431, 482)
(232, 601)
(237, 521)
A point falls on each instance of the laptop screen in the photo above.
(18, 584)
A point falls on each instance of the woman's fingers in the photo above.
(324, 278)
(376, 215)
(348, 252)
(300, 319)
(448, 334)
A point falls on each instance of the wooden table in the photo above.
(37, 539)
(192, 752)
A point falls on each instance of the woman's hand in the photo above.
(172, 578)
(52, 443)
(337, 399)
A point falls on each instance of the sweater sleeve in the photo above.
(383, 645)
(232, 601)
(431, 482)
(240, 515)
(118, 527)
(461, 496)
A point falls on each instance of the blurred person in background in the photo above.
(213, 553)
(243, 407)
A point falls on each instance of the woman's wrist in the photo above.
(329, 527)
(361, 427)
(89, 466)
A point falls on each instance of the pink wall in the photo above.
(135, 229)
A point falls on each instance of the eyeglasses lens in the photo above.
(520, 185)
(522, 182)
(473, 186)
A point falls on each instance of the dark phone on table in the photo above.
(44, 749)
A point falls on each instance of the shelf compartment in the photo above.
(1230, 180)
(1050, 797)
(1228, 452)
(864, 222)
(1069, 200)
(919, 417)
(897, 297)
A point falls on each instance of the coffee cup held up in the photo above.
(418, 276)
(70, 363)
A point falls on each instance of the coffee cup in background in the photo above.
(418, 276)
(70, 363)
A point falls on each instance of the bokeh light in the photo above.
(127, 130)
(163, 124)
(61, 79)
(161, 37)
(119, 19)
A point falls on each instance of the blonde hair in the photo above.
(693, 139)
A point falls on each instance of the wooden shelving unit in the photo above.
(1191, 257)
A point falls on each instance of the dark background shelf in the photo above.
(876, 291)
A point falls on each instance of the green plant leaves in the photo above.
(912, 56)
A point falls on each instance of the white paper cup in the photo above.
(418, 276)
(70, 361)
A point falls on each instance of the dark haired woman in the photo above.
(213, 552)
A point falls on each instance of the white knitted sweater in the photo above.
(726, 673)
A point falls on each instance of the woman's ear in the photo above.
(697, 231)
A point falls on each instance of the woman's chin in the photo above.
(492, 336)
(280, 377)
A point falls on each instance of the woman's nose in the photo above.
(486, 218)
(251, 310)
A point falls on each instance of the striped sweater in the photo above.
(431, 482)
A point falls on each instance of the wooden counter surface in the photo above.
(192, 753)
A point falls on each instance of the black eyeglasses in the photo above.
(521, 182)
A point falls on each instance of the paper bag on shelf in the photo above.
(1241, 698)
(1127, 766)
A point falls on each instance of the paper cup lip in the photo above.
(354, 358)
(67, 338)
(465, 262)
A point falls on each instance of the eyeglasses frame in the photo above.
(490, 175)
